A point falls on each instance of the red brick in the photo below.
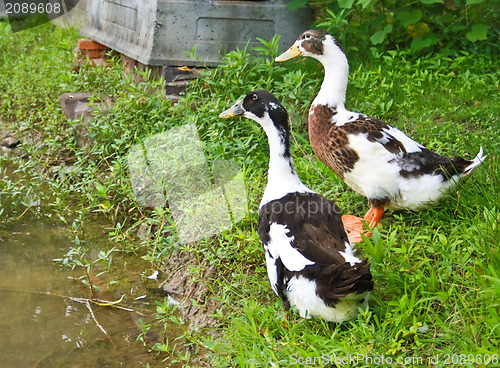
(91, 49)
(86, 44)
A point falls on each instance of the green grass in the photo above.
(436, 272)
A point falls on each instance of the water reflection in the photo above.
(40, 326)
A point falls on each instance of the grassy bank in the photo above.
(437, 272)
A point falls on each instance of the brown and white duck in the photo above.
(310, 262)
(375, 159)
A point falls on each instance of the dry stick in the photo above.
(99, 302)
(303, 153)
(103, 303)
(22, 214)
(87, 304)
(79, 300)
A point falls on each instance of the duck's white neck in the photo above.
(282, 177)
(334, 86)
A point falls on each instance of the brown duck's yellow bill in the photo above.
(235, 110)
(289, 54)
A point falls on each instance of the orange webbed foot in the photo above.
(354, 227)
(373, 216)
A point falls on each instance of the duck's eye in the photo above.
(307, 36)
(255, 97)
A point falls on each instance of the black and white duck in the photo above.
(310, 262)
(375, 159)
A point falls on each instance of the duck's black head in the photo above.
(264, 108)
(261, 102)
(261, 106)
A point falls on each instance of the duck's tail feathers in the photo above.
(340, 281)
(475, 162)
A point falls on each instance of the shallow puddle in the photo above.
(42, 326)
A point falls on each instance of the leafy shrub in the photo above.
(423, 24)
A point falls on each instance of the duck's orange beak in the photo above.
(290, 53)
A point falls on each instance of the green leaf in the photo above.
(379, 36)
(458, 28)
(478, 32)
(472, 2)
(365, 3)
(345, 4)
(409, 16)
(296, 4)
(428, 40)
(427, 2)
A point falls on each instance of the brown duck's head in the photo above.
(312, 43)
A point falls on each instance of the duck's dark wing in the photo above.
(430, 163)
(340, 281)
(313, 225)
(303, 232)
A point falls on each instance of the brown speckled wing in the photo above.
(330, 142)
